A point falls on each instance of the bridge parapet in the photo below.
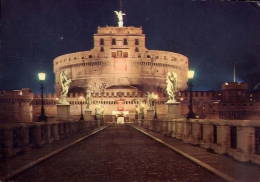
(237, 138)
(21, 137)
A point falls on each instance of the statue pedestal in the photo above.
(141, 116)
(88, 115)
(173, 111)
(63, 111)
(150, 114)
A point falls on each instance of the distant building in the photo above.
(238, 103)
(16, 106)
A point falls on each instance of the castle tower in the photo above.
(119, 58)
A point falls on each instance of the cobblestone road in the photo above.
(118, 153)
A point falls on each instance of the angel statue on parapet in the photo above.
(150, 97)
(171, 88)
(88, 99)
(64, 83)
(120, 18)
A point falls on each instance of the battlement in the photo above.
(24, 94)
(119, 30)
(234, 86)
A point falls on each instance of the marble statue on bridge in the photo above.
(150, 98)
(171, 88)
(64, 83)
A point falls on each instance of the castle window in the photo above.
(75, 58)
(156, 57)
(125, 41)
(125, 54)
(82, 57)
(148, 56)
(102, 49)
(90, 56)
(119, 54)
(113, 41)
(101, 41)
(136, 41)
(136, 49)
(113, 54)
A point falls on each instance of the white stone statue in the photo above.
(88, 99)
(97, 109)
(64, 83)
(120, 18)
(141, 107)
(150, 97)
(171, 88)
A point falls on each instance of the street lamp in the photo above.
(42, 117)
(81, 115)
(155, 112)
(190, 77)
(142, 108)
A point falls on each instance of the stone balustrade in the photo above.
(237, 138)
(17, 138)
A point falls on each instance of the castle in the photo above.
(118, 73)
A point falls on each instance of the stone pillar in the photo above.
(38, 140)
(88, 115)
(173, 111)
(25, 139)
(150, 114)
(56, 131)
(173, 129)
(63, 112)
(8, 143)
(207, 136)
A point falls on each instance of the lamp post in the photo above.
(42, 117)
(155, 112)
(142, 106)
(81, 115)
(191, 114)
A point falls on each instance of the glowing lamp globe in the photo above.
(191, 74)
(41, 76)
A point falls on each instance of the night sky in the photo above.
(213, 35)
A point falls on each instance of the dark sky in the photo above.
(213, 35)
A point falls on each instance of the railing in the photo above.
(17, 138)
(237, 138)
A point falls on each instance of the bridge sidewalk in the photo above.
(221, 165)
(14, 166)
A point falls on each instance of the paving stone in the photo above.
(118, 153)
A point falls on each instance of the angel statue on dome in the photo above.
(120, 18)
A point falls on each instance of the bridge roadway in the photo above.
(119, 153)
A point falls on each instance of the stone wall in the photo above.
(17, 138)
(236, 138)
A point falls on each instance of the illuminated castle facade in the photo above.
(119, 59)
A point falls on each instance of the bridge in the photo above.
(124, 153)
